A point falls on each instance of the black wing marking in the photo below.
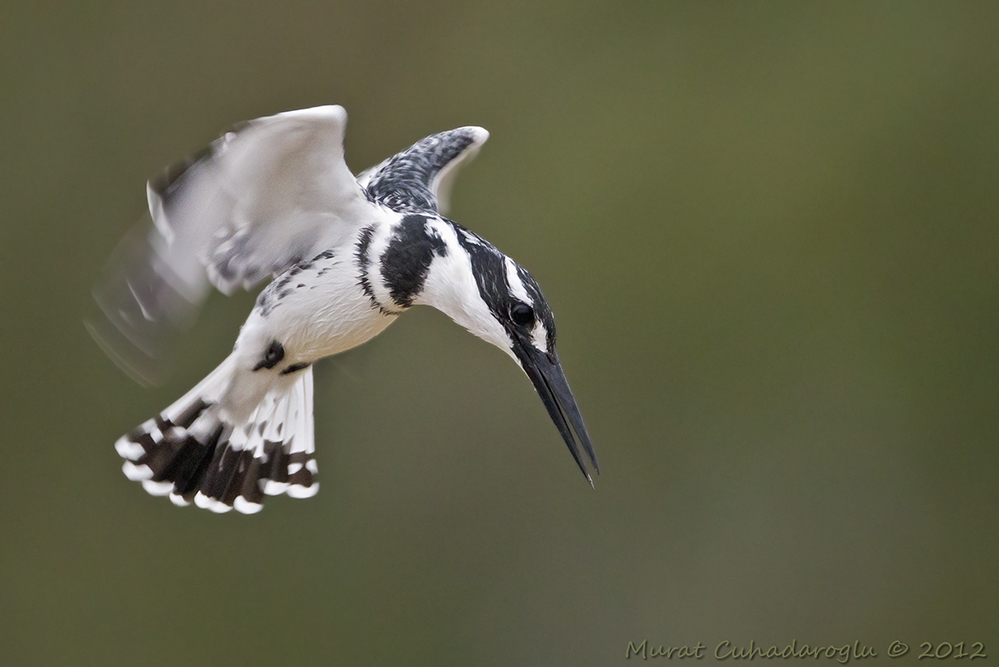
(420, 177)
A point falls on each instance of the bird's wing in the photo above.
(420, 177)
(259, 199)
(265, 196)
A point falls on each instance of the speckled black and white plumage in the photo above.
(419, 178)
(274, 198)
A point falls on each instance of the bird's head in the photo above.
(496, 299)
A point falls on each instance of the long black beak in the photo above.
(549, 380)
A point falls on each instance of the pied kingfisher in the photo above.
(274, 198)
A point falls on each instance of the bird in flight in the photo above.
(273, 198)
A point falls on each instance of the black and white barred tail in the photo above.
(192, 454)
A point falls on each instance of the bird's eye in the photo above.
(522, 314)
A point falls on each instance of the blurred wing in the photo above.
(259, 199)
(420, 177)
(272, 193)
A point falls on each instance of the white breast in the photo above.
(315, 312)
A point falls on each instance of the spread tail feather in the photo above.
(193, 454)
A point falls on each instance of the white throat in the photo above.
(451, 288)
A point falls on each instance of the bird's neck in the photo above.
(451, 287)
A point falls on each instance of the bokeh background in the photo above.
(769, 235)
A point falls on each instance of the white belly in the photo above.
(317, 312)
(313, 313)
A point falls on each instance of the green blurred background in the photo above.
(768, 232)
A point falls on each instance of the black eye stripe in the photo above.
(490, 271)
